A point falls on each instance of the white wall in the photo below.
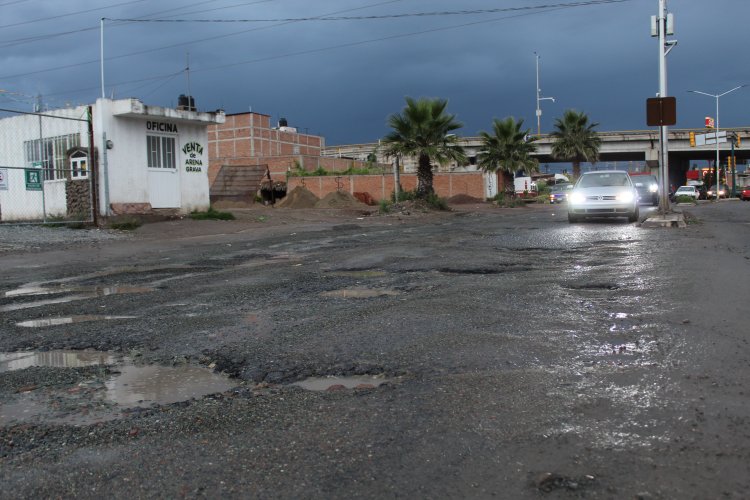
(17, 203)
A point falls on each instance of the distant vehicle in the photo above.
(525, 187)
(700, 186)
(647, 187)
(559, 193)
(605, 193)
(745, 193)
(690, 191)
(723, 191)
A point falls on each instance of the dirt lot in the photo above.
(480, 353)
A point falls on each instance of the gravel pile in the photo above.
(29, 238)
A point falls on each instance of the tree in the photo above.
(576, 140)
(507, 150)
(423, 130)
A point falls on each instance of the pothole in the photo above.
(121, 387)
(340, 383)
(360, 293)
(40, 323)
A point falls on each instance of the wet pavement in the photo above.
(500, 352)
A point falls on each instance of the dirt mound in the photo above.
(463, 199)
(299, 197)
(339, 199)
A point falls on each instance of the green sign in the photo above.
(33, 179)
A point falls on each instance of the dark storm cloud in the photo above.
(342, 79)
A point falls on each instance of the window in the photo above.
(50, 153)
(79, 166)
(161, 151)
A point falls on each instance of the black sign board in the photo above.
(661, 111)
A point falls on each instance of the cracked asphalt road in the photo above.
(525, 357)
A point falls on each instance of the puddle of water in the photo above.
(359, 293)
(82, 293)
(145, 385)
(129, 386)
(325, 383)
(10, 361)
(38, 323)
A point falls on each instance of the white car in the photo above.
(605, 193)
(690, 191)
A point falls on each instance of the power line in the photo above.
(70, 14)
(333, 47)
(380, 17)
(21, 41)
(181, 44)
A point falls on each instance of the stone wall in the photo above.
(78, 199)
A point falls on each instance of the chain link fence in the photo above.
(45, 167)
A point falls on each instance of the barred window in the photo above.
(50, 153)
(161, 151)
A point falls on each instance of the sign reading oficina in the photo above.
(193, 161)
(34, 177)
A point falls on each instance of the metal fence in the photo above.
(45, 167)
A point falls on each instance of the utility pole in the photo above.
(539, 98)
(661, 26)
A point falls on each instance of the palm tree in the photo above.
(575, 140)
(423, 130)
(507, 150)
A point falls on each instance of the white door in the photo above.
(163, 174)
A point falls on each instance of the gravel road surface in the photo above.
(512, 355)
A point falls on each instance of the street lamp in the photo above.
(539, 98)
(716, 130)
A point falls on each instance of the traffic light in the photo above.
(737, 140)
(730, 164)
(692, 139)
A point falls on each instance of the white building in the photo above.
(147, 158)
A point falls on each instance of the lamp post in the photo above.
(539, 98)
(716, 130)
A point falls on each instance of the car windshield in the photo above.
(561, 187)
(598, 179)
(684, 188)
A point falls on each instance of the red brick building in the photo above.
(250, 139)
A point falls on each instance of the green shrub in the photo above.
(211, 214)
(385, 206)
(511, 202)
(436, 202)
(404, 195)
(685, 199)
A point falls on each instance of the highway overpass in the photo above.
(630, 150)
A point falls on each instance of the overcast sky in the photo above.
(342, 78)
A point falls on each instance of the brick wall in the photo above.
(381, 186)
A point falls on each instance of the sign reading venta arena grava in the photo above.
(194, 153)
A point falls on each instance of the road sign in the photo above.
(710, 138)
(3, 179)
(661, 111)
(33, 179)
(719, 137)
(709, 122)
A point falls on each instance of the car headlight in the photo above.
(626, 196)
(721, 192)
(577, 197)
(653, 188)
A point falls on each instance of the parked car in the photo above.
(723, 191)
(559, 193)
(647, 187)
(744, 193)
(691, 191)
(605, 193)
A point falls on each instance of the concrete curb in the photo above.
(668, 220)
